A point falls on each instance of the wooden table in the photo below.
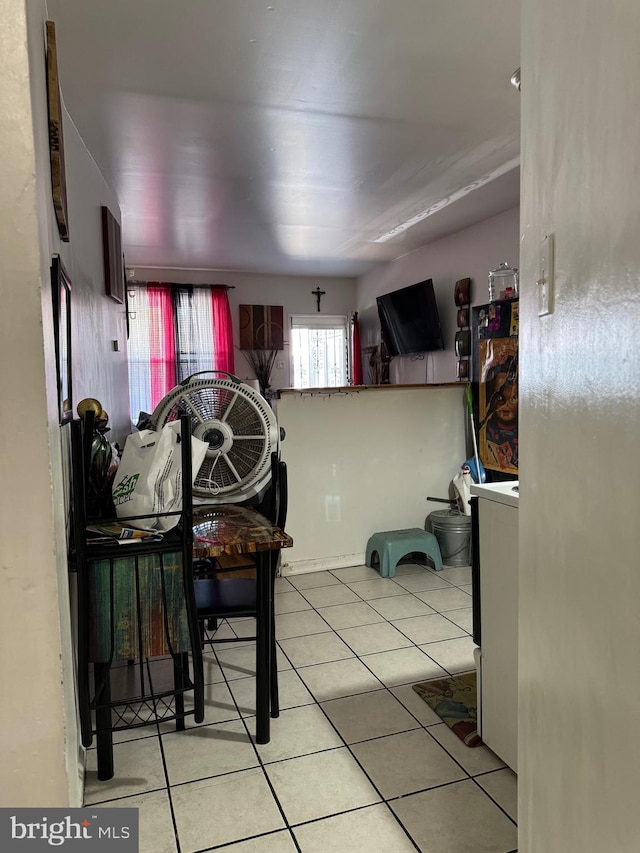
(231, 529)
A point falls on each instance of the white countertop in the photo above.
(503, 493)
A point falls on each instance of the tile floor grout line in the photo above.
(360, 657)
(228, 844)
(429, 789)
(383, 686)
(364, 771)
(427, 616)
(253, 742)
(493, 800)
(464, 770)
(352, 811)
(347, 585)
(169, 797)
(299, 673)
(125, 796)
(260, 765)
(355, 758)
(449, 673)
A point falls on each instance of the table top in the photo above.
(230, 529)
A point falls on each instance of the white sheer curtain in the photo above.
(194, 319)
(138, 352)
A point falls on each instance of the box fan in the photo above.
(238, 425)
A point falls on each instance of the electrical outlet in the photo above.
(546, 276)
(280, 365)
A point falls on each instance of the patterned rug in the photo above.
(454, 700)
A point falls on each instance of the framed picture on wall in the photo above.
(61, 292)
(261, 327)
(462, 317)
(112, 254)
(56, 140)
(462, 291)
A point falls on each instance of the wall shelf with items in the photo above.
(462, 297)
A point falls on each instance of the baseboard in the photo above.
(302, 567)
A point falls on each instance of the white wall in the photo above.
(97, 320)
(292, 292)
(470, 253)
(579, 761)
(36, 644)
(40, 749)
(364, 461)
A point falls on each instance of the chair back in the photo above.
(274, 507)
(283, 489)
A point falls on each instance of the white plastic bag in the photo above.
(462, 485)
(149, 476)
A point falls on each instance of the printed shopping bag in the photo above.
(149, 476)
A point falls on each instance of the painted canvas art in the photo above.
(498, 427)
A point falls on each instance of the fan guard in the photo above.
(238, 425)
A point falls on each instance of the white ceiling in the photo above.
(288, 136)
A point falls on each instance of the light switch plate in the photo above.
(546, 276)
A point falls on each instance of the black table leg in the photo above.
(273, 674)
(263, 646)
(180, 665)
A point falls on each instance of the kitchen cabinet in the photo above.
(495, 579)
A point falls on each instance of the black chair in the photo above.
(218, 598)
(121, 592)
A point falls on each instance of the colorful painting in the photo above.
(498, 404)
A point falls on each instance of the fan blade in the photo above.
(229, 407)
(189, 405)
(232, 467)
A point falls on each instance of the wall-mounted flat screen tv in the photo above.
(409, 319)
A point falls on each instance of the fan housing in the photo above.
(238, 425)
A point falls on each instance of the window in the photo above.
(173, 333)
(318, 350)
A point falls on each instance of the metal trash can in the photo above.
(452, 529)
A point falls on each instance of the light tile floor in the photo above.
(356, 762)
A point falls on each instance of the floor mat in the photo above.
(455, 701)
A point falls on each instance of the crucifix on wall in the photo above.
(318, 294)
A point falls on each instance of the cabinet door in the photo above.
(499, 612)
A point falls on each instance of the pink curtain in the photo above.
(162, 345)
(356, 354)
(222, 330)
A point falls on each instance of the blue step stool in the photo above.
(392, 545)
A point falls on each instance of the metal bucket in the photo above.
(452, 529)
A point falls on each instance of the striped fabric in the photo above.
(113, 608)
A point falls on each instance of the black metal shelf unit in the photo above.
(135, 606)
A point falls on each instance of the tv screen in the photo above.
(409, 319)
